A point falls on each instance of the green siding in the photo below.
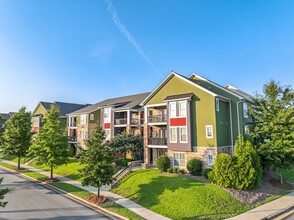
(96, 116)
(202, 109)
(223, 127)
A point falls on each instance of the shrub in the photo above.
(162, 163)
(205, 172)
(182, 172)
(194, 167)
(175, 170)
(170, 170)
(242, 171)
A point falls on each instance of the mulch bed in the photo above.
(50, 180)
(285, 185)
(16, 169)
(97, 200)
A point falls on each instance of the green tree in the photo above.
(273, 126)
(17, 135)
(2, 129)
(125, 143)
(2, 193)
(51, 142)
(97, 161)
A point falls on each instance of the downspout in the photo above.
(241, 100)
(231, 122)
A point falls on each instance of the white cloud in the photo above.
(128, 35)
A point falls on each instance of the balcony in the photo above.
(157, 118)
(121, 121)
(72, 139)
(134, 121)
(73, 124)
(157, 141)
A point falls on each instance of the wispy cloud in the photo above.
(128, 35)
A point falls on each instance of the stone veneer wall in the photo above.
(202, 154)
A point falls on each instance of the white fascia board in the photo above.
(223, 98)
(157, 146)
(181, 77)
(216, 85)
(36, 108)
(155, 105)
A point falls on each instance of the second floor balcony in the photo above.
(73, 124)
(72, 139)
(157, 118)
(121, 121)
(157, 141)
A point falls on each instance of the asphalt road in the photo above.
(28, 200)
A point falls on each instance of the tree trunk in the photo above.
(51, 171)
(98, 192)
(281, 176)
(18, 164)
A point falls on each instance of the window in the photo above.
(91, 116)
(245, 110)
(183, 109)
(183, 135)
(209, 131)
(217, 104)
(36, 122)
(210, 159)
(172, 110)
(107, 112)
(107, 134)
(179, 160)
(173, 135)
(82, 135)
(83, 119)
(246, 129)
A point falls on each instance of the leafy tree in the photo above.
(2, 129)
(97, 161)
(2, 193)
(17, 135)
(51, 142)
(273, 126)
(125, 143)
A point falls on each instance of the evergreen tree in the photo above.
(273, 126)
(2, 129)
(97, 161)
(2, 193)
(17, 135)
(51, 142)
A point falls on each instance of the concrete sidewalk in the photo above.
(267, 209)
(126, 203)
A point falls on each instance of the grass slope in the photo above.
(179, 197)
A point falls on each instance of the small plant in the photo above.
(170, 170)
(163, 163)
(194, 167)
(175, 170)
(205, 172)
(182, 172)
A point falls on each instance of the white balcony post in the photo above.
(128, 117)
(145, 114)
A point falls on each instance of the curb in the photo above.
(279, 213)
(69, 195)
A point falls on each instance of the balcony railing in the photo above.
(73, 139)
(121, 121)
(157, 141)
(157, 118)
(73, 124)
(134, 121)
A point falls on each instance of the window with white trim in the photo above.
(183, 109)
(83, 119)
(107, 114)
(107, 134)
(183, 135)
(82, 135)
(91, 116)
(245, 110)
(36, 122)
(246, 129)
(172, 109)
(173, 135)
(209, 131)
(217, 104)
(210, 159)
(179, 159)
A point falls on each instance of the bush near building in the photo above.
(194, 167)
(163, 163)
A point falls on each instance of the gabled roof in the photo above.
(172, 74)
(239, 92)
(180, 96)
(64, 107)
(216, 85)
(119, 103)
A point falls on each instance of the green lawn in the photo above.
(14, 159)
(69, 170)
(289, 175)
(179, 197)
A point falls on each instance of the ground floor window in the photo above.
(179, 160)
(246, 129)
(210, 159)
(162, 152)
(82, 135)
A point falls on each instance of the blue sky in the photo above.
(86, 51)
